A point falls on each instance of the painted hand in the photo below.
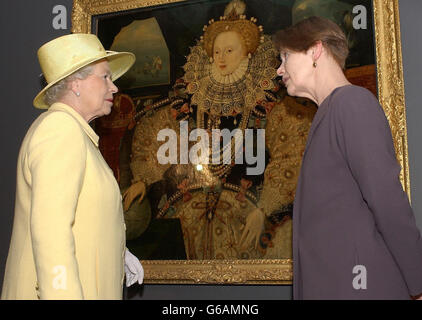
(132, 192)
(253, 229)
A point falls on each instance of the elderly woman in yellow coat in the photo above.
(68, 239)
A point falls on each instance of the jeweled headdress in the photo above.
(233, 20)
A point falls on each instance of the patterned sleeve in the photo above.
(144, 164)
(286, 133)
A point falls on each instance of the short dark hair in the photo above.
(306, 33)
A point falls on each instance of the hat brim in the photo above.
(119, 63)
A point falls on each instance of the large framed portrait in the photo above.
(207, 150)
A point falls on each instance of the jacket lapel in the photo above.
(85, 126)
(322, 110)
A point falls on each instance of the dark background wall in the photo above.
(26, 24)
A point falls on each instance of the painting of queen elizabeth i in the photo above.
(212, 209)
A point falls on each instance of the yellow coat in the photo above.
(68, 236)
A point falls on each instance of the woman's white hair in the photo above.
(57, 91)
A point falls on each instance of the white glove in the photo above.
(133, 269)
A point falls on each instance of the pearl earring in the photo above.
(78, 94)
(314, 64)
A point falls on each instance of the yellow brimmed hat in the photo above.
(65, 55)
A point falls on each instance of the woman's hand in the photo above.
(132, 192)
(253, 228)
(418, 297)
(133, 269)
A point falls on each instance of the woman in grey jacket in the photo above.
(354, 233)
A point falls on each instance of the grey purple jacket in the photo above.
(354, 232)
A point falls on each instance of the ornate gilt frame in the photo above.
(391, 97)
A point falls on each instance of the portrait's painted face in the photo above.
(228, 52)
(296, 68)
(97, 91)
